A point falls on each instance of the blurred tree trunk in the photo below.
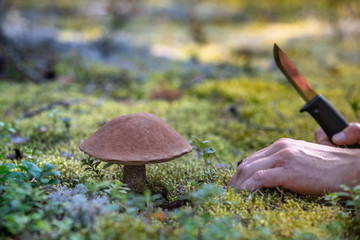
(121, 12)
(9, 53)
(196, 28)
(2, 55)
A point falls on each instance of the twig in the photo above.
(66, 103)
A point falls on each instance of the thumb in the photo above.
(350, 135)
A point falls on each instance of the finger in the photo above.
(348, 136)
(246, 170)
(273, 177)
(322, 138)
(270, 150)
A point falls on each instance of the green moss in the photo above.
(243, 89)
(202, 112)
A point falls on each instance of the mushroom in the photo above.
(136, 140)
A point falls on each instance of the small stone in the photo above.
(15, 139)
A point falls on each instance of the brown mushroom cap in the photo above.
(136, 139)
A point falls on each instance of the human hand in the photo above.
(348, 136)
(303, 167)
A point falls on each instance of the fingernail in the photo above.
(339, 137)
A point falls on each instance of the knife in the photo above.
(329, 119)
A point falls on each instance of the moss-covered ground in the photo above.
(215, 91)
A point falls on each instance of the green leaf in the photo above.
(356, 188)
(342, 194)
(54, 181)
(201, 144)
(50, 173)
(97, 164)
(35, 173)
(32, 169)
(108, 165)
(350, 203)
(6, 167)
(345, 188)
(3, 169)
(195, 148)
(23, 176)
(11, 129)
(23, 168)
(55, 173)
(11, 175)
(209, 150)
(44, 180)
(30, 165)
(47, 167)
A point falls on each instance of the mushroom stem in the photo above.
(134, 177)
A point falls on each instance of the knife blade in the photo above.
(293, 75)
(329, 119)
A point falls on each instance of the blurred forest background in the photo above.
(44, 41)
(204, 66)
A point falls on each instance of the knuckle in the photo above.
(259, 175)
(356, 128)
(245, 167)
(248, 160)
(283, 143)
(353, 128)
(243, 162)
(286, 157)
(288, 153)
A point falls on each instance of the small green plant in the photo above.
(91, 165)
(6, 130)
(202, 150)
(23, 210)
(30, 172)
(117, 191)
(6, 173)
(141, 203)
(202, 225)
(56, 117)
(45, 175)
(126, 201)
(205, 152)
(67, 123)
(207, 193)
(351, 196)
